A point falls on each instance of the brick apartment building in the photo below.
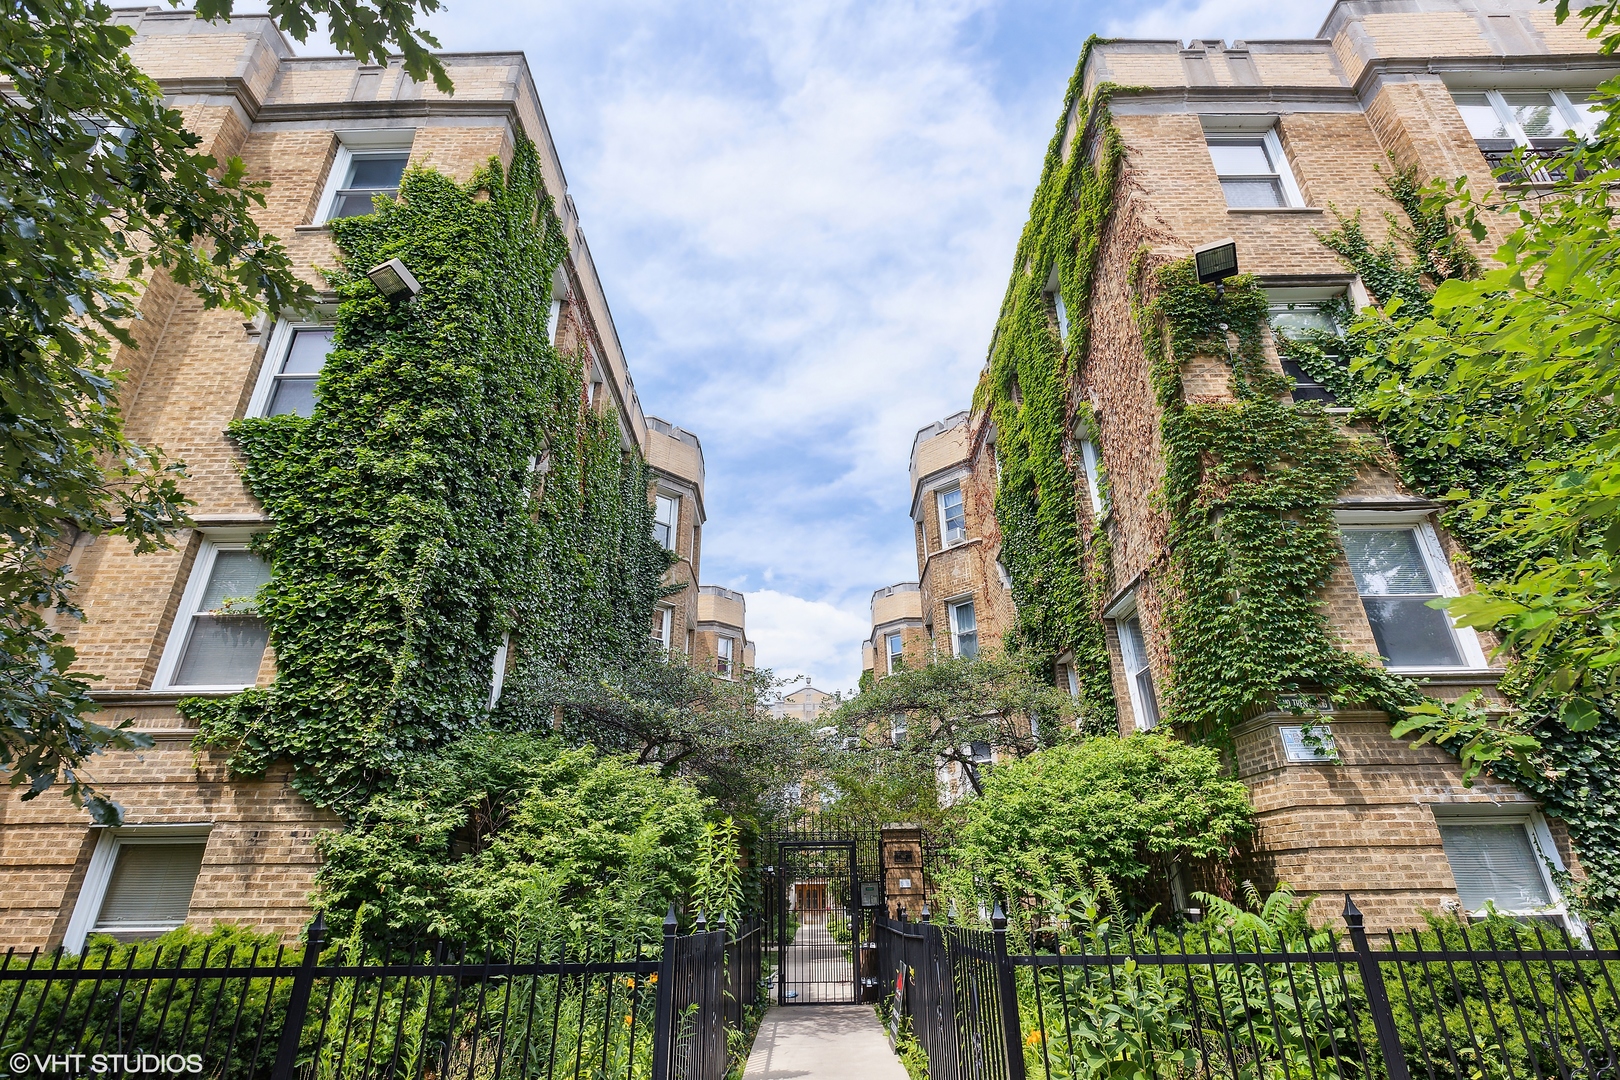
(721, 642)
(1259, 142)
(199, 845)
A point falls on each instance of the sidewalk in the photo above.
(822, 1042)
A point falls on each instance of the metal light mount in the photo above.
(1215, 262)
(394, 281)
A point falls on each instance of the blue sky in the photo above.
(804, 216)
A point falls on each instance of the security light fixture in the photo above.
(394, 281)
(1215, 263)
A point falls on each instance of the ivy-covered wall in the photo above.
(1055, 562)
(451, 488)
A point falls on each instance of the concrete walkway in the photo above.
(822, 1042)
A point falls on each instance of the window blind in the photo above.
(151, 886)
(1495, 862)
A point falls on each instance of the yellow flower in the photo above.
(1034, 1037)
(652, 980)
(627, 1020)
(630, 982)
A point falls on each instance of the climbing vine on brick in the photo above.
(1052, 560)
(450, 489)
(1249, 489)
(1576, 775)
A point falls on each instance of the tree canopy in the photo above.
(102, 186)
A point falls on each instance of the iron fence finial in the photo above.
(1352, 914)
(998, 917)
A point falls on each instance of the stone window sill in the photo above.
(1273, 210)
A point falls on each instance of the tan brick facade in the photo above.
(241, 89)
(1378, 85)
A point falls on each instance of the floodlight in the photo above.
(394, 281)
(1215, 263)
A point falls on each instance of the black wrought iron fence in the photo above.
(655, 1009)
(1487, 1001)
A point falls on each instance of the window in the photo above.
(138, 884)
(1091, 461)
(723, 657)
(896, 647)
(363, 174)
(952, 518)
(964, 630)
(1504, 121)
(666, 519)
(497, 676)
(661, 620)
(1138, 676)
(1498, 861)
(218, 638)
(897, 728)
(294, 362)
(1312, 322)
(1253, 171)
(1064, 679)
(1054, 295)
(982, 753)
(1317, 747)
(1397, 578)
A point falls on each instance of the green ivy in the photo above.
(1054, 564)
(1249, 490)
(1576, 775)
(451, 487)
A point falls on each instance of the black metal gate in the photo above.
(818, 923)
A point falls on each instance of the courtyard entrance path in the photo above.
(822, 1042)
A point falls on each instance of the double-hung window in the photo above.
(1502, 860)
(359, 175)
(895, 645)
(723, 656)
(666, 518)
(218, 639)
(897, 729)
(139, 883)
(1399, 570)
(1502, 121)
(1253, 170)
(952, 517)
(964, 630)
(1138, 675)
(294, 361)
(662, 618)
(1091, 462)
(1312, 323)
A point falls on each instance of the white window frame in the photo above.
(1054, 289)
(898, 726)
(666, 621)
(497, 678)
(1293, 198)
(1574, 119)
(213, 542)
(952, 606)
(1121, 613)
(275, 355)
(352, 144)
(1091, 462)
(945, 541)
(890, 640)
(725, 652)
(675, 524)
(98, 875)
(1422, 521)
(1541, 842)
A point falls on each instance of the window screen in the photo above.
(1133, 649)
(1396, 586)
(666, 514)
(294, 390)
(369, 175)
(965, 630)
(1496, 862)
(1249, 173)
(224, 647)
(952, 518)
(150, 888)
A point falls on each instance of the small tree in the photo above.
(1127, 810)
(949, 706)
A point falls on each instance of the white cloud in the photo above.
(794, 637)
